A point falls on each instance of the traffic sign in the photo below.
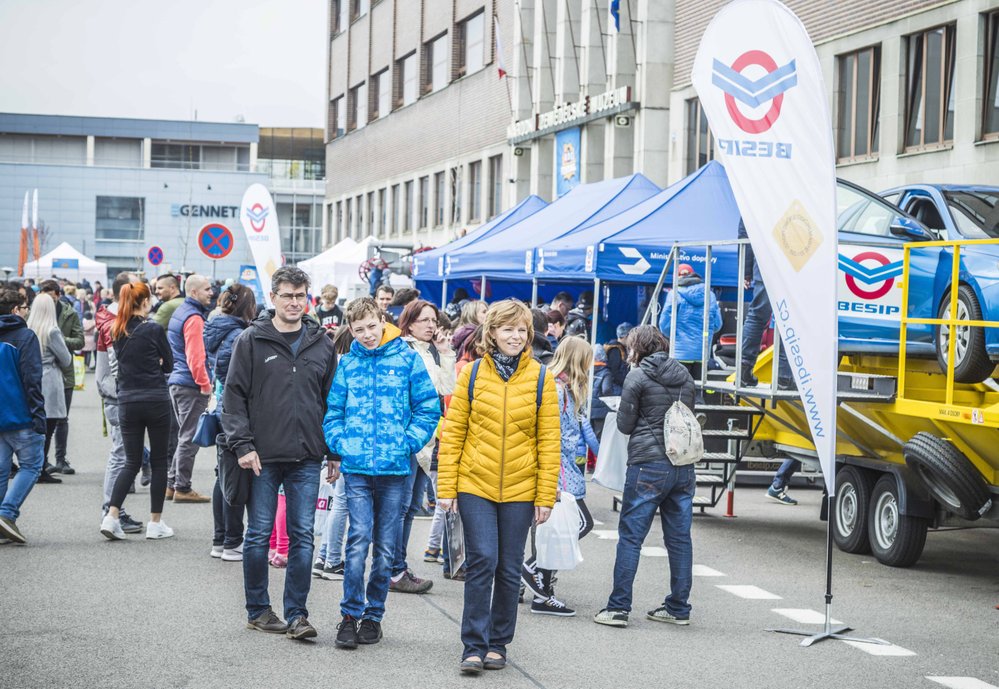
(215, 241)
(155, 255)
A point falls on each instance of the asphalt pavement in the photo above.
(79, 611)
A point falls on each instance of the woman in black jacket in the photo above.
(144, 358)
(652, 482)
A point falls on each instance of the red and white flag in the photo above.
(500, 65)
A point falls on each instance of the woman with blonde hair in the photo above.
(498, 467)
(55, 357)
(571, 367)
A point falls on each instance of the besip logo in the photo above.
(754, 93)
(257, 214)
(881, 276)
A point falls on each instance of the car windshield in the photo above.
(975, 212)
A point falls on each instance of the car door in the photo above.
(869, 294)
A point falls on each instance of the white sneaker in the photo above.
(216, 551)
(158, 530)
(111, 528)
(233, 554)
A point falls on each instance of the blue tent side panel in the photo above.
(511, 254)
(429, 265)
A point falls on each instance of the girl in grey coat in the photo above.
(55, 357)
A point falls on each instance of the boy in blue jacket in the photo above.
(22, 410)
(382, 408)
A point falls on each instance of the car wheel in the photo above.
(853, 499)
(972, 363)
(897, 540)
(949, 475)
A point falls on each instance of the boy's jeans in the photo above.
(331, 548)
(29, 448)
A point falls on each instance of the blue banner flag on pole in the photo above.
(615, 12)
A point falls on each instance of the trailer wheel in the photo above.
(853, 499)
(971, 361)
(897, 540)
(949, 476)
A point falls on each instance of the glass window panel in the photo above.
(914, 125)
(438, 52)
(991, 120)
(410, 80)
(862, 103)
(120, 218)
(384, 94)
(475, 43)
(362, 105)
(933, 88)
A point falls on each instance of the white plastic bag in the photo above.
(612, 460)
(324, 504)
(682, 434)
(557, 540)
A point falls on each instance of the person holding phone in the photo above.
(498, 466)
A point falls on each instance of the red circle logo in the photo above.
(851, 282)
(746, 124)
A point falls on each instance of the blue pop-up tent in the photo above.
(633, 246)
(510, 254)
(432, 265)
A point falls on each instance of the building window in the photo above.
(407, 208)
(177, 156)
(371, 213)
(357, 106)
(340, 228)
(406, 80)
(337, 118)
(700, 142)
(396, 225)
(347, 220)
(495, 186)
(470, 47)
(382, 91)
(435, 54)
(120, 218)
(456, 196)
(438, 199)
(359, 216)
(338, 16)
(359, 8)
(475, 191)
(382, 212)
(424, 201)
(859, 104)
(929, 111)
(990, 116)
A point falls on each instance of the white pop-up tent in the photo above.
(338, 266)
(69, 264)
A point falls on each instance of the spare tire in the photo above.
(950, 477)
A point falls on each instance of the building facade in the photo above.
(115, 187)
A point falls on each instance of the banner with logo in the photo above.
(567, 159)
(259, 219)
(248, 277)
(760, 84)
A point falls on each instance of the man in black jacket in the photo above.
(22, 411)
(279, 377)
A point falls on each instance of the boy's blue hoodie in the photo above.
(21, 402)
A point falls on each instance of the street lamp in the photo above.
(7, 270)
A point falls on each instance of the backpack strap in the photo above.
(471, 381)
(541, 385)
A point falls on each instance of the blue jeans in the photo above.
(783, 476)
(495, 535)
(758, 317)
(30, 450)
(301, 489)
(373, 507)
(407, 512)
(331, 548)
(647, 487)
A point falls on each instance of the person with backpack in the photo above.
(22, 411)
(498, 466)
(419, 323)
(571, 368)
(652, 482)
(382, 408)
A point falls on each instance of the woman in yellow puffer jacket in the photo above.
(498, 465)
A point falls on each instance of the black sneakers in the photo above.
(534, 580)
(129, 525)
(301, 629)
(332, 572)
(268, 622)
(346, 633)
(369, 632)
(551, 606)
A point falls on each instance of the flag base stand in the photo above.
(828, 630)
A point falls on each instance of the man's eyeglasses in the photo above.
(298, 296)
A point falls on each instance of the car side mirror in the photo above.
(908, 228)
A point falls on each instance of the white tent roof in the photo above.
(87, 268)
(338, 265)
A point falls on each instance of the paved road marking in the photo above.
(962, 682)
(705, 571)
(804, 615)
(654, 551)
(597, 522)
(879, 650)
(605, 535)
(750, 592)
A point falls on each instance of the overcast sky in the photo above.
(262, 59)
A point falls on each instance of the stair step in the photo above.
(718, 457)
(726, 409)
(735, 433)
(709, 479)
(702, 500)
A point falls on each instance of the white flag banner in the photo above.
(260, 223)
(760, 84)
(24, 212)
(34, 210)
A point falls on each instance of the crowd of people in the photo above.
(402, 410)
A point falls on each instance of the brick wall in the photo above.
(824, 19)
